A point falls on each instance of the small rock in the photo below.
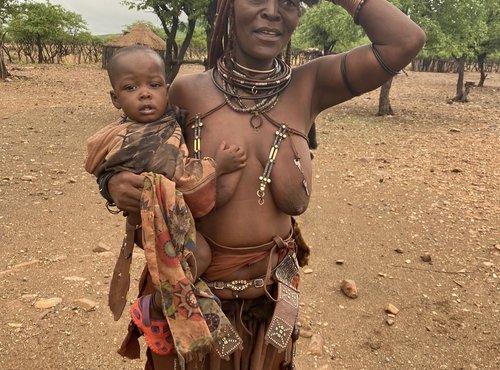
(488, 264)
(86, 304)
(306, 333)
(390, 322)
(101, 247)
(348, 287)
(426, 257)
(28, 297)
(308, 270)
(28, 178)
(72, 180)
(316, 345)
(48, 303)
(398, 250)
(456, 170)
(16, 325)
(375, 344)
(390, 308)
(74, 278)
(339, 262)
(454, 130)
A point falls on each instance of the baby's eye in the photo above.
(130, 87)
(155, 85)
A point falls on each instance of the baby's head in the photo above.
(137, 76)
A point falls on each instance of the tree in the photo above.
(43, 28)
(384, 101)
(7, 8)
(169, 15)
(327, 27)
(491, 42)
(454, 28)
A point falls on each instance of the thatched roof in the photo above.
(139, 35)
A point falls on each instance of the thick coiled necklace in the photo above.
(234, 81)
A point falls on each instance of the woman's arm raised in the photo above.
(396, 40)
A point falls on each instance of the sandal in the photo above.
(156, 333)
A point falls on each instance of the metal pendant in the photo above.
(256, 121)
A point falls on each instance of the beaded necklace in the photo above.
(265, 93)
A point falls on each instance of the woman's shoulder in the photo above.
(188, 85)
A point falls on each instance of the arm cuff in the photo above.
(102, 181)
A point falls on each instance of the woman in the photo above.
(252, 98)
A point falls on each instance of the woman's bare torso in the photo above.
(242, 221)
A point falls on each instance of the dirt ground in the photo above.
(387, 192)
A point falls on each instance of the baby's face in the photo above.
(140, 89)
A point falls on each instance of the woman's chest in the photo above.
(258, 136)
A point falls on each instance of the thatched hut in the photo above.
(138, 35)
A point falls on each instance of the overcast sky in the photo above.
(105, 16)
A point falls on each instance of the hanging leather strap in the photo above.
(120, 282)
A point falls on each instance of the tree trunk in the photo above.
(3, 68)
(460, 83)
(384, 102)
(40, 50)
(209, 29)
(480, 60)
(170, 54)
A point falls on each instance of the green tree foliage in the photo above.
(45, 27)
(457, 28)
(327, 27)
(490, 43)
(6, 8)
(169, 14)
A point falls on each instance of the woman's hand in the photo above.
(126, 188)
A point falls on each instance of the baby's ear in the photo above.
(114, 99)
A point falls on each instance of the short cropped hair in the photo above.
(127, 50)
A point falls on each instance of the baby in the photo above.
(148, 138)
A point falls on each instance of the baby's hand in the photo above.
(229, 158)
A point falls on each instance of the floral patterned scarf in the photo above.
(196, 320)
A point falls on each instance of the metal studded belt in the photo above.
(237, 285)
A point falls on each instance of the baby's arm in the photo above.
(229, 160)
